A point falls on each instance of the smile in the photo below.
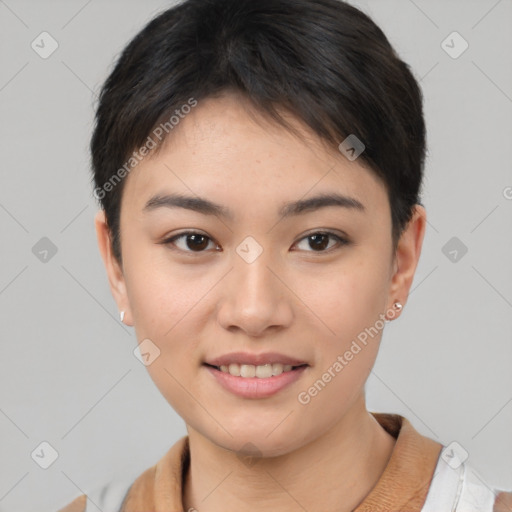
(263, 371)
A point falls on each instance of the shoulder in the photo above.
(503, 502)
(458, 487)
(130, 493)
(107, 498)
(77, 505)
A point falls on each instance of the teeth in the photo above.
(262, 371)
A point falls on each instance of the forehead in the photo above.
(226, 149)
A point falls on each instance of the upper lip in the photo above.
(254, 359)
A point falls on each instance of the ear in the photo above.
(112, 266)
(407, 256)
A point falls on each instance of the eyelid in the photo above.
(325, 231)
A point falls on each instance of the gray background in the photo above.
(68, 374)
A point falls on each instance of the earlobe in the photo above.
(112, 266)
(407, 256)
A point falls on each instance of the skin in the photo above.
(292, 299)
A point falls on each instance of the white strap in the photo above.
(476, 495)
(445, 488)
(458, 490)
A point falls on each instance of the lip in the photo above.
(254, 359)
(254, 387)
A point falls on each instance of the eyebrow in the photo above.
(289, 209)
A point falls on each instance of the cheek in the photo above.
(162, 296)
(348, 298)
(349, 301)
(168, 309)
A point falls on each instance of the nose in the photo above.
(255, 299)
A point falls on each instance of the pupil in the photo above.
(195, 239)
(316, 238)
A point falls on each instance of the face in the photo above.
(274, 267)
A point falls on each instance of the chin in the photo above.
(256, 442)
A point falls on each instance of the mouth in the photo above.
(264, 371)
(256, 381)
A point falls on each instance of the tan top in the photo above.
(402, 487)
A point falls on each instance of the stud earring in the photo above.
(121, 315)
(391, 314)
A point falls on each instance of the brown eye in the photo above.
(190, 242)
(319, 242)
(197, 242)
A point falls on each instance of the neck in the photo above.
(333, 472)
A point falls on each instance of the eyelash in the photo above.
(342, 241)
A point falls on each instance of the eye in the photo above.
(319, 241)
(191, 241)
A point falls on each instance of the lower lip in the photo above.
(254, 387)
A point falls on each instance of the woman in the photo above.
(259, 167)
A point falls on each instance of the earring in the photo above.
(121, 315)
(397, 306)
